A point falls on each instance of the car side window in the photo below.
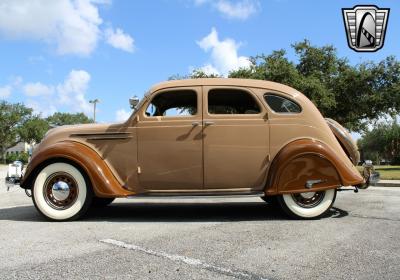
(232, 101)
(281, 104)
(175, 103)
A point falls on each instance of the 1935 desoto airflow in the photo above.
(202, 137)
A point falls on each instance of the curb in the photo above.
(387, 183)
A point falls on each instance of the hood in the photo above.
(67, 132)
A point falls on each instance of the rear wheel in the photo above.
(61, 192)
(307, 205)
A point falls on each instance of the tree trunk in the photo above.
(2, 155)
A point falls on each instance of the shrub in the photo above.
(23, 156)
(396, 160)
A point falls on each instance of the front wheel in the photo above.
(307, 205)
(61, 192)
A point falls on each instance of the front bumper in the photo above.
(12, 181)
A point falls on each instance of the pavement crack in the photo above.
(235, 273)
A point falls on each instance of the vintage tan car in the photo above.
(201, 137)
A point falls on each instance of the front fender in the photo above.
(307, 159)
(103, 181)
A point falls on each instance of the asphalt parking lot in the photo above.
(203, 239)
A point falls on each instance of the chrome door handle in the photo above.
(206, 123)
(195, 123)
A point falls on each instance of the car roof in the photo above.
(225, 82)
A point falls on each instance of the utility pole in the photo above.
(94, 102)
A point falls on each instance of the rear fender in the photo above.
(306, 161)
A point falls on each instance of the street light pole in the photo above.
(94, 102)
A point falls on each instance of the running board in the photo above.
(166, 195)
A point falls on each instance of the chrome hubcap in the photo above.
(307, 195)
(308, 199)
(60, 190)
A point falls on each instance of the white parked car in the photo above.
(14, 173)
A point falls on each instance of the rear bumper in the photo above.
(374, 178)
(371, 181)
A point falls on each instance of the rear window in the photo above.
(231, 101)
(281, 104)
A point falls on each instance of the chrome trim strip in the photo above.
(163, 195)
(103, 136)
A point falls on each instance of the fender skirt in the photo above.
(308, 161)
(103, 181)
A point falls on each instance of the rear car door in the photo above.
(235, 139)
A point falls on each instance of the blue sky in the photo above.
(57, 55)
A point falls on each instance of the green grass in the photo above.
(387, 172)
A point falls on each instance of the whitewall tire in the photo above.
(61, 192)
(309, 205)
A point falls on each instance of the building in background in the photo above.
(20, 148)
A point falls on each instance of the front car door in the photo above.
(236, 139)
(170, 141)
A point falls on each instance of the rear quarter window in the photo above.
(281, 104)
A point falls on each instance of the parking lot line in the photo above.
(15, 206)
(239, 274)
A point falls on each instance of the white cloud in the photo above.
(119, 40)
(208, 69)
(73, 26)
(37, 89)
(72, 91)
(122, 115)
(224, 56)
(239, 10)
(45, 109)
(242, 9)
(5, 91)
(69, 95)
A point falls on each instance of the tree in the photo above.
(352, 95)
(12, 118)
(19, 124)
(199, 74)
(58, 119)
(382, 142)
(34, 129)
(196, 74)
(23, 156)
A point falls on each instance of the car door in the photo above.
(236, 139)
(170, 141)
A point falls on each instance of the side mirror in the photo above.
(134, 101)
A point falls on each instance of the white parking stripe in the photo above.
(239, 274)
(15, 206)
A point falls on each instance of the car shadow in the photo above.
(170, 212)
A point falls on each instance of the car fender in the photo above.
(308, 161)
(103, 180)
